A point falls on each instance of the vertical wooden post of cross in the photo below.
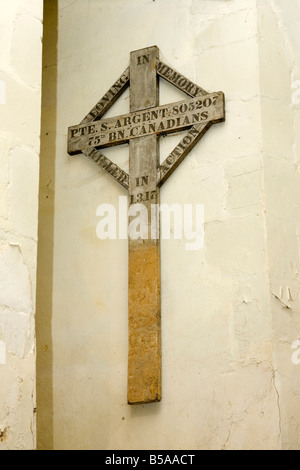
(144, 304)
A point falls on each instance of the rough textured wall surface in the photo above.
(20, 102)
(229, 310)
(278, 23)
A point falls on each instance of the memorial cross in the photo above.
(141, 127)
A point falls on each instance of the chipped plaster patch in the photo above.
(17, 329)
(20, 98)
(2, 92)
(2, 353)
(3, 434)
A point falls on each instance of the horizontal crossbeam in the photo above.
(159, 120)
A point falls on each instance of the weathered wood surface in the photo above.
(178, 80)
(144, 320)
(158, 120)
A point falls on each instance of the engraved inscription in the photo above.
(142, 59)
(179, 80)
(143, 197)
(110, 167)
(159, 120)
(142, 181)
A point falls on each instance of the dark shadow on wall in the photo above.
(46, 230)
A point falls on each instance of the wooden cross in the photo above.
(140, 128)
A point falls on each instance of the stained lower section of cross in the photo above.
(144, 355)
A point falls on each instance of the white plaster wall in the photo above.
(278, 23)
(222, 367)
(20, 102)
